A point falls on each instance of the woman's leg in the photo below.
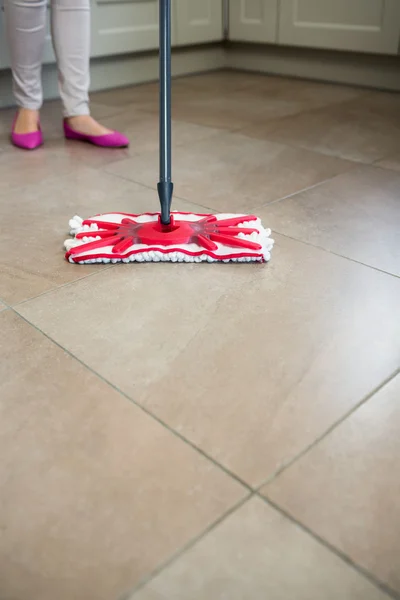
(26, 29)
(70, 28)
(70, 23)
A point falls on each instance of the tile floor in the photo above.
(193, 432)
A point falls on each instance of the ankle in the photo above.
(27, 121)
(77, 119)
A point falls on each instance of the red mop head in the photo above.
(121, 237)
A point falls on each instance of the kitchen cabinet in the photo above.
(253, 20)
(355, 25)
(127, 26)
(122, 26)
(197, 21)
(117, 27)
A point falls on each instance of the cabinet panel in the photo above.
(120, 26)
(358, 25)
(253, 20)
(198, 21)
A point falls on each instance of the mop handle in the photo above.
(165, 186)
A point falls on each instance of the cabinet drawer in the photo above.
(121, 26)
(355, 25)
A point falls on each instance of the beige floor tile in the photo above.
(143, 130)
(222, 99)
(228, 80)
(235, 110)
(146, 96)
(56, 158)
(347, 488)
(132, 94)
(222, 81)
(232, 112)
(19, 169)
(352, 130)
(256, 553)
(270, 98)
(35, 224)
(6, 117)
(308, 93)
(101, 111)
(391, 162)
(251, 363)
(217, 106)
(356, 215)
(202, 102)
(230, 172)
(285, 96)
(95, 494)
(219, 83)
(384, 102)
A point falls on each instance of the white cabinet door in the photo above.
(253, 20)
(121, 26)
(197, 21)
(360, 25)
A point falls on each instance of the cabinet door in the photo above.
(121, 26)
(198, 21)
(359, 25)
(253, 20)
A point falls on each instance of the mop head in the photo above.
(121, 237)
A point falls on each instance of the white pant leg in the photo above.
(70, 25)
(26, 30)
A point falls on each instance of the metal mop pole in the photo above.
(165, 185)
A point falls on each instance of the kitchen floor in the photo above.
(206, 432)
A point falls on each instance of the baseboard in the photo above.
(381, 72)
(367, 70)
(118, 71)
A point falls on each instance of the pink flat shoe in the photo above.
(26, 141)
(109, 140)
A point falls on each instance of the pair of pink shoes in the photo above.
(30, 141)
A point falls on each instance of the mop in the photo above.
(167, 236)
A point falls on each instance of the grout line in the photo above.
(154, 189)
(330, 429)
(5, 304)
(353, 260)
(63, 285)
(376, 164)
(257, 207)
(145, 580)
(250, 491)
(140, 406)
(341, 555)
(301, 191)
